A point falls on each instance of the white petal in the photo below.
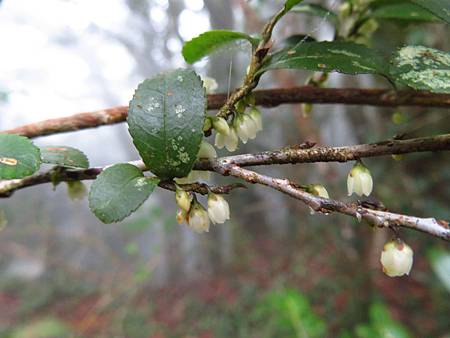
(220, 140)
(242, 132)
(251, 127)
(231, 141)
(367, 183)
(357, 185)
(350, 181)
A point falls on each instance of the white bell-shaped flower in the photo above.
(221, 125)
(255, 114)
(229, 141)
(210, 84)
(218, 208)
(198, 218)
(245, 128)
(359, 180)
(183, 199)
(396, 258)
(206, 151)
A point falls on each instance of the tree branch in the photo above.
(267, 98)
(233, 165)
(298, 154)
(58, 175)
(376, 217)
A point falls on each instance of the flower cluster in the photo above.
(244, 126)
(196, 216)
(396, 258)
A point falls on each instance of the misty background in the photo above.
(57, 261)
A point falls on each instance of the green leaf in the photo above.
(291, 3)
(18, 157)
(440, 8)
(440, 262)
(400, 10)
(342, 57)
(317, 10)
(166, 119)
(118, 191)
(208, 42)
(64, 157)
(422, 68)
(381, 325)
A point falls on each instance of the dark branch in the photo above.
(267, 98)
(298, 154)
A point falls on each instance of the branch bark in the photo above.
(266, 98)
(298, 154)
(437, 228)
(58, 175)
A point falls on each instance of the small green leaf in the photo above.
(342, 57)
(118, 191)
(208, 42)
(291, 3)
(317, 10)
(166, 119)
(400, 10)
(422, 68)
(64, 157)
(440, 8)
(18, 157)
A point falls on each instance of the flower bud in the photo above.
(210, 84)
(198, 218)
(306, 109)
(396, 258)
(76, 190)
(206, 151)
(255, 114)
(368, 27)
(218, 208)
(207, 125)
(250, 99)
(221, 125)
(183, 199)
(359, 180)
(318, 190)
(240, 106)
(181, 216)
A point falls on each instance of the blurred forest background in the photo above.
(273, 270)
